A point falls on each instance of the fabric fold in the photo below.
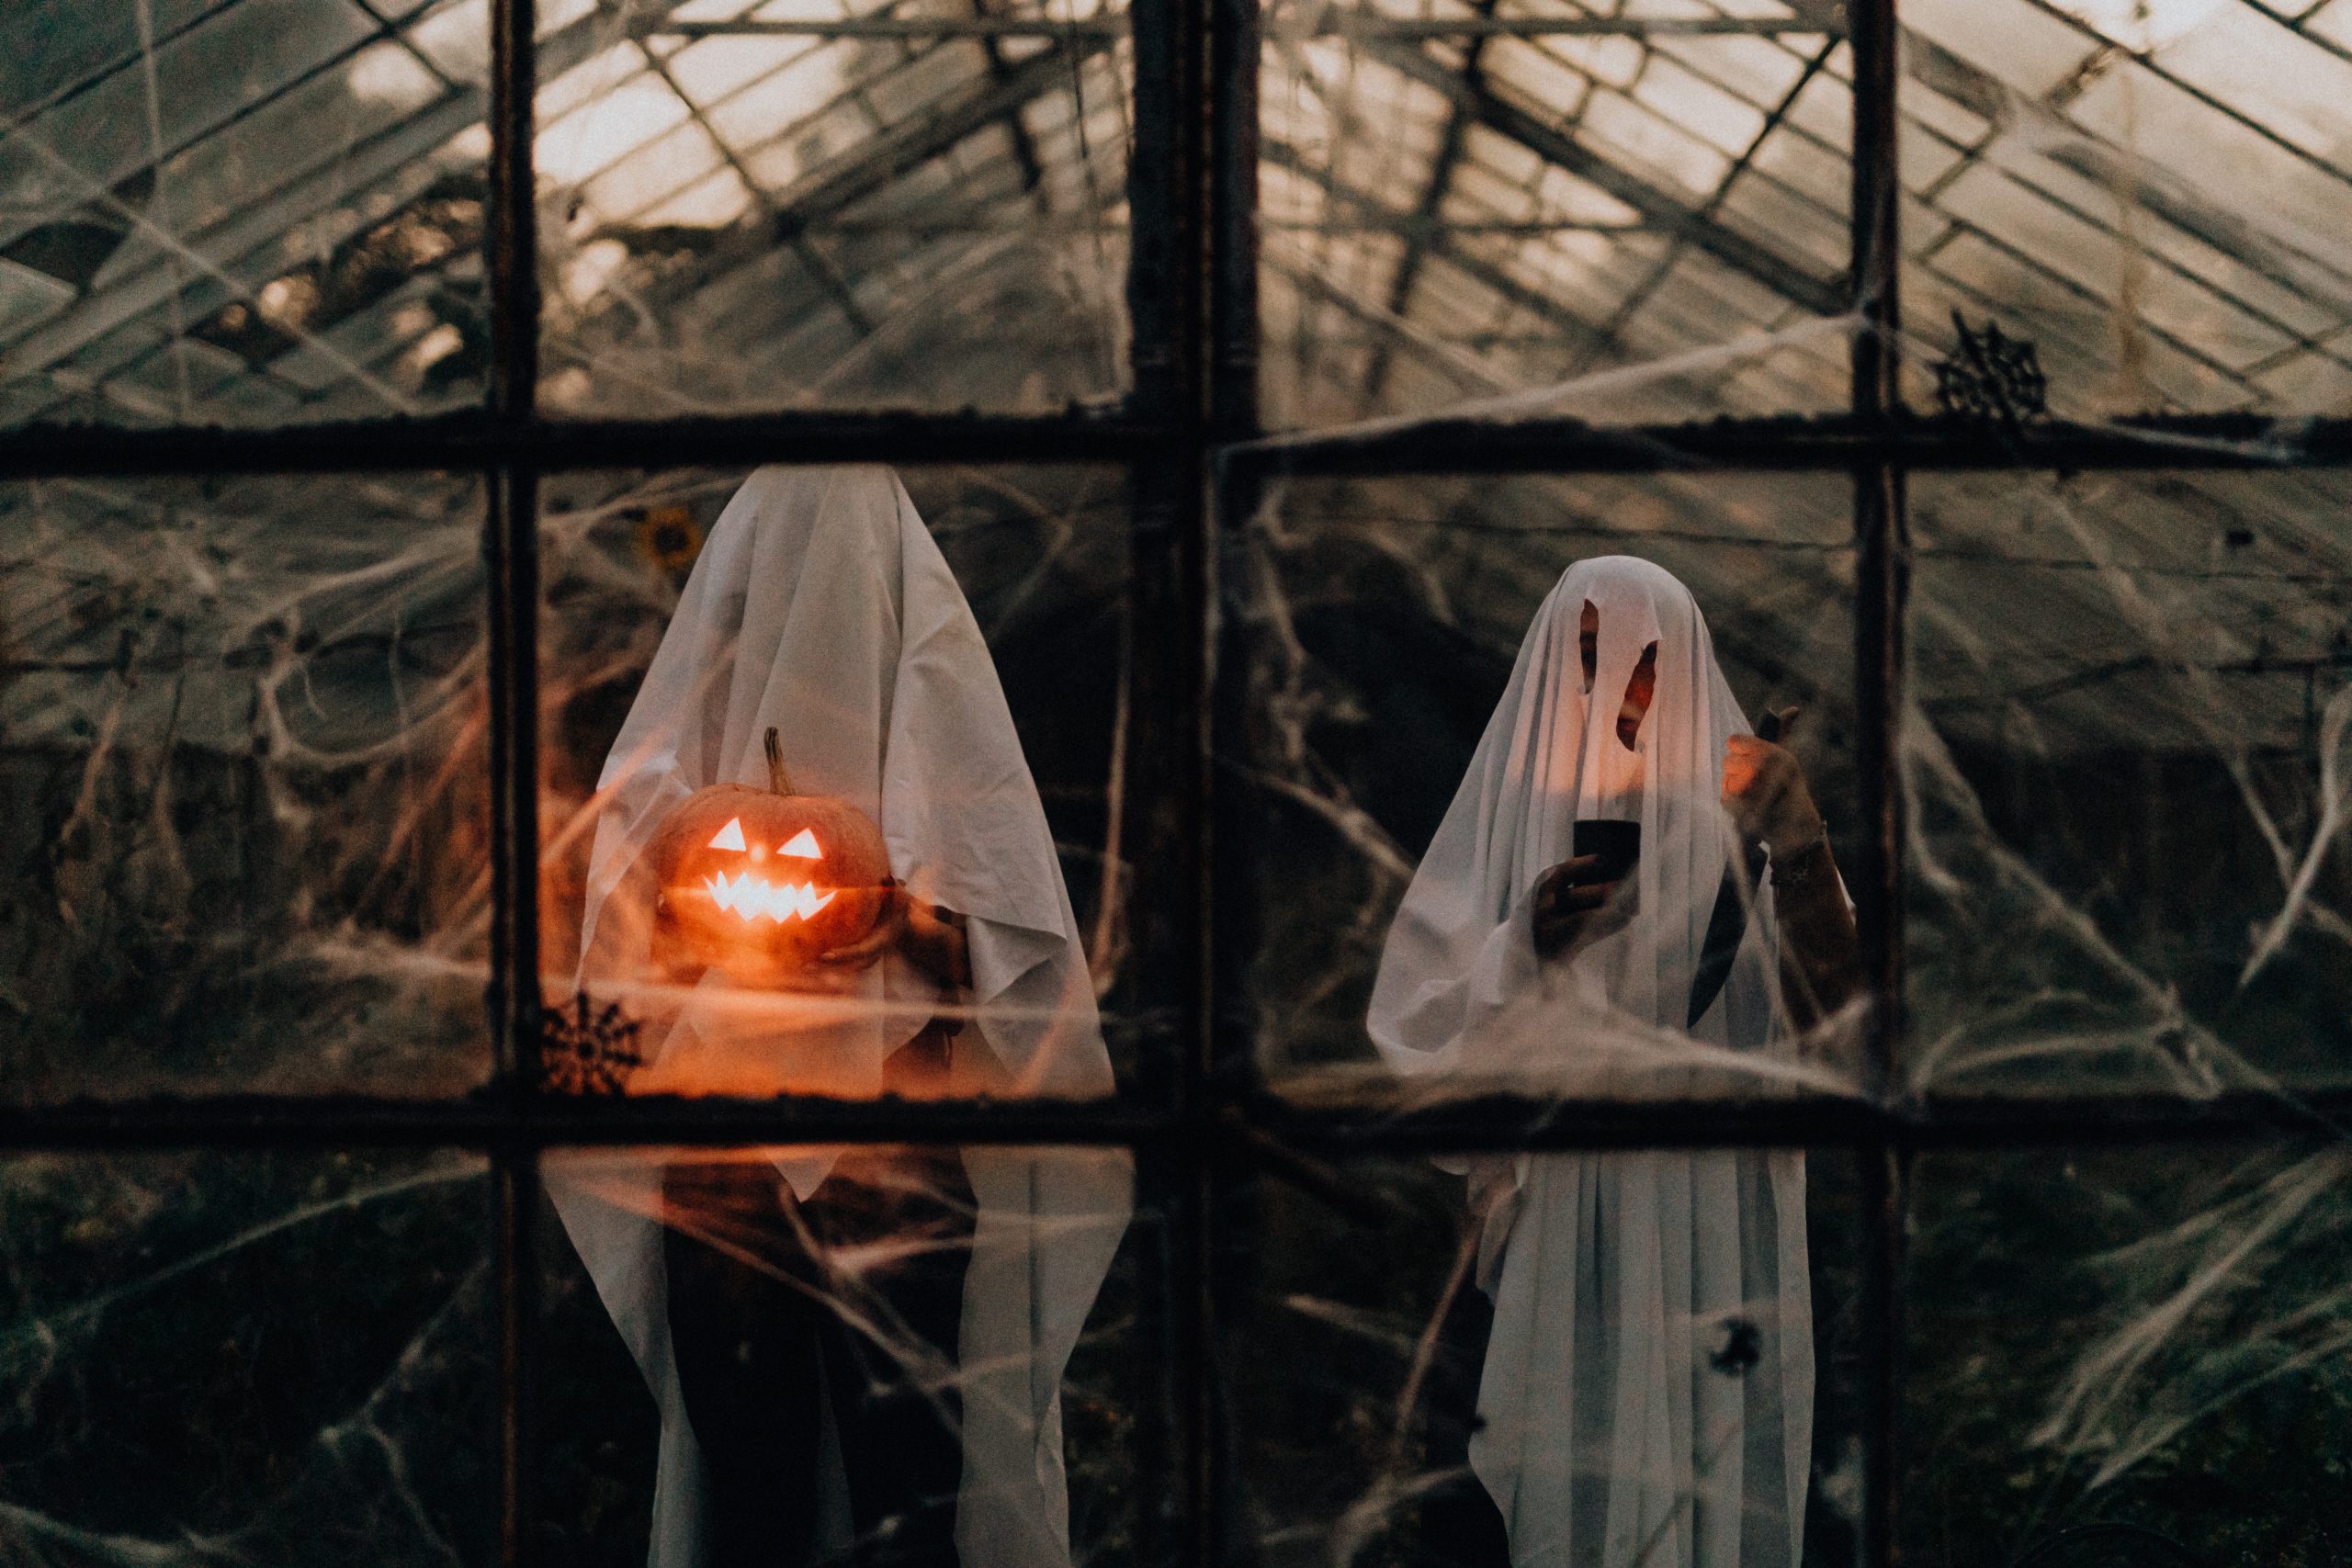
(1646, 1396)
(820, 606)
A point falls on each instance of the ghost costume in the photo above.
(1646, 1394)
(920, 1306)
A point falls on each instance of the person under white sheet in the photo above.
(1646, 1391)
(857, 1353)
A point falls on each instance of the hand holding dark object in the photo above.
(889, 927)
(1570, 909)
(930, 936)
(1764, 790)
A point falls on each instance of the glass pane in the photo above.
(2148, 1340)
(244, 726)
(2145, 191)
(2127, 706)
(1397, 1362)
(1379, 741)
(1526, 202)
(262, 212)
(787, 205)
(171, 1399)
(849, 1351)
(938, 661)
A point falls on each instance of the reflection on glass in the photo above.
(244, 755)
(861, 1354)
(2144, 190)
(2123, 751)
(259, 212)
(1376, 626)
(1368, 1357)
(814, 860)
(2152, 1338)
(1527, 202)
(767, 205)
(171, 1399)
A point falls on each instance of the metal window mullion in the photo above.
(1223, 1066)
(1162, 815)
(1881, 580)
(1368, 1125)
(1234, 49)
(512, 545)
(1753, 444)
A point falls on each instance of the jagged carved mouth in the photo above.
(749, 897)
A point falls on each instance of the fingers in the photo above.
(1552, 883)
(1775, 724)
(1753, 765)
(1742, 755)
(1583, 898)
(889, 926)
(1582, 912)
(864, 951)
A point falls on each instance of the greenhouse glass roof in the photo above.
(271, 210)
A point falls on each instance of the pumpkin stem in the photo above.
(779, 781)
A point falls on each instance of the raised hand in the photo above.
(1764, 789)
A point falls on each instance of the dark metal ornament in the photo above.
(586, 1052)
(1990, 379)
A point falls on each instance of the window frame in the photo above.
(1190, 439)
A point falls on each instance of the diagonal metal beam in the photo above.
(245, 248)
(905, 147)
(1647, 288)
(1390, 331)
(1823, 297)
(1429, 214)
(1024, 146)
(1376, 219)
(888, 157)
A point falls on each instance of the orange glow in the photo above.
(748, 897)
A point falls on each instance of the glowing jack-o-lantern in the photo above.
(760, 882)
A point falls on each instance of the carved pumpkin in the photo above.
(759, 882)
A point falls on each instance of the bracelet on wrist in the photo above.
(1799, 867)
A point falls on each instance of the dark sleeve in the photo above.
(1820, 959)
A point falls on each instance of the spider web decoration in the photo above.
(1992, 378)
(586, 1052)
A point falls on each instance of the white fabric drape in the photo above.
(820, 605)
(1619, 1426)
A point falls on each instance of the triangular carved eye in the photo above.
(730, 837)
(803, 844)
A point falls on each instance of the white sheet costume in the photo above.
(1648, 1392)
(820, 605)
